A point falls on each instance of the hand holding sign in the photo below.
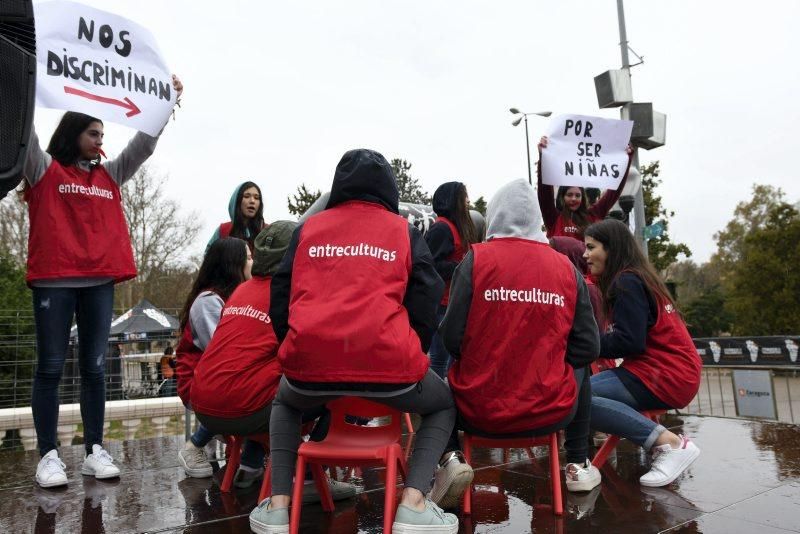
(585, 151)
(103, 65)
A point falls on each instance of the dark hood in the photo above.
(364, 174)
(572, 249)
(444, 199)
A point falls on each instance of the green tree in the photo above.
(14, 227)
(749, 216)
(17, 335)
(706, 315)
(410, 189)
(300, 202)
(661, 250)
(764, 283)
(160, 234)
(479, 206)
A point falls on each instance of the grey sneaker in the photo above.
(339, 491)
(432, 520)
(265, 521)
(452, 478)
(245, 476)
(194, 461)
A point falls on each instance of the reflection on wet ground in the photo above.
(746, 480)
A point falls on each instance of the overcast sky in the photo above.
(276, 92)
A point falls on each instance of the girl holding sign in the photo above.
(661, 367)
(575, 214)
(78, 248)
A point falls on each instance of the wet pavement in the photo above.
(746, 480)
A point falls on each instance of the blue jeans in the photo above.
(615, 410)
(440, 358)
(53, 310)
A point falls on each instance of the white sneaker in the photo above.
(99, 464)
(452, 478)
(50, 471)
(582, 477)
(194, 461)
(669, 463)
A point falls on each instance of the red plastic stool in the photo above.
(551, 440)
(352, 445)
(611, 442)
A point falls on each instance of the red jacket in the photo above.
(456, 256)
(187, 355)
(239, 371)
(347, 322)
(512, 374)
(670, 366)
(77, 227)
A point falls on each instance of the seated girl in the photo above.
(521, 329)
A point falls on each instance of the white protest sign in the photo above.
(586, 151)
(101, 64)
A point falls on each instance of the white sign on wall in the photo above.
(586, 151)
(101, 64)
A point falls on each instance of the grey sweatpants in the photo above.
(430, 398)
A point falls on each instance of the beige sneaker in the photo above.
(452, 478)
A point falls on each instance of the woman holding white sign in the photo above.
(575, 214)
(661, 367)
(78, 248)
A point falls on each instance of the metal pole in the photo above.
(638, 207)
(528, 150)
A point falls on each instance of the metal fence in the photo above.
(141, 400)
(134, 372)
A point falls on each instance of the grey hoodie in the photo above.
(514, 212)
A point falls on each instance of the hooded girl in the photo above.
(246, 210)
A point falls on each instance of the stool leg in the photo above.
(266, 485)
(390, 491)
(409, 426)
(555, 475)
(232, 465)
(297, 495)
(466, 509)
(321, 481)
(602, 454)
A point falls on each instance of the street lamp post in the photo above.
(517, 119)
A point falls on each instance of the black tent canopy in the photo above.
(141, 323)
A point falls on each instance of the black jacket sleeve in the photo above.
(441, 244)
(583, 343)
(424, 290)
(281, 286)
(454, 323)
(634, 313)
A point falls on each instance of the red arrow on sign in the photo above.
(126, 103)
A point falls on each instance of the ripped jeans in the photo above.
(53, 310)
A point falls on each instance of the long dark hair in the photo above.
(244, 228)
(581, 215)
(463, 220)
(63, 145)
(624, 254)
(222, 270)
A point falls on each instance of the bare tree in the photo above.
(160, 234)
(14, 228)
